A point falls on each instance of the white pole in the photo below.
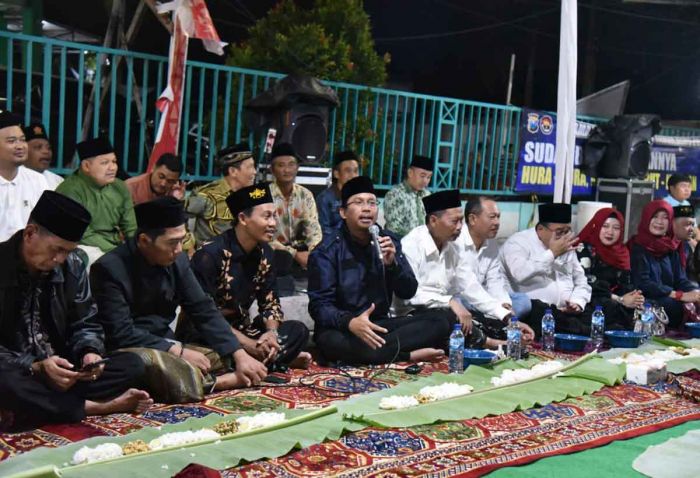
(510, 78)
(566, 103)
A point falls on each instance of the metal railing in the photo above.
(80, 91)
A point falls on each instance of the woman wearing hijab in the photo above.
(656, 264)
(606, 261)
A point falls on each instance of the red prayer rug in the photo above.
(462, 448)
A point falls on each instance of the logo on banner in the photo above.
(546, 124)
(533, 122)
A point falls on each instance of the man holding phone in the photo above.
(51, 345)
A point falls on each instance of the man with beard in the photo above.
(236, 269)
(684, 231)
(20, 187)
(95, 185)
(51, 343)
(352, 281)
(40, 154)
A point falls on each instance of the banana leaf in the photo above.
(586, 375)
(302, 429)
(662, 343)
(307, 428)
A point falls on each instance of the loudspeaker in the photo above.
(629, 196)
(305, 127)
(621, 148)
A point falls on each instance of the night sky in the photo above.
(656, 47)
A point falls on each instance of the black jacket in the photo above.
(69, 313)
(345, 279)
(137, 302)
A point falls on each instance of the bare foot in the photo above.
(303, 360)
(228, 381)
(427, 355)
(493, 343)
(131, 401)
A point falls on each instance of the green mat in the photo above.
(612, 460)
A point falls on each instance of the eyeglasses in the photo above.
(370, 204)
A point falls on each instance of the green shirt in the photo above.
(110, 206)
(403, 208)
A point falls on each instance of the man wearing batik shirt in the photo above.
(206, 206)
(235, 269)
(298, 229)
(403, 205)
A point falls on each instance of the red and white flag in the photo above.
(191, 19)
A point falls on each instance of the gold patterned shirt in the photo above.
(234, 279)
(208, 214)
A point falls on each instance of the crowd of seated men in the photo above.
(95, 272)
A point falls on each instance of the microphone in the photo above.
(374, 232)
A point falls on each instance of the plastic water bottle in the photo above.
(514, 335)
(647, 321)
(456, 363)
(597, 327)
(548, 330)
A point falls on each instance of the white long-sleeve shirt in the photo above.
(443, 274)
(532, 268)
(17, 199)
(487, 266)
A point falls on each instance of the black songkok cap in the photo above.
(344, 156)
(283, 149)
(422, 162)
(234, 154)
(683, 211)
(35, 131)
(8, 118)
(93, 147)
(248, 197)
(358, 185)
(442, 200)
(62, 216)
(557, 213)
(161, 213)
(678, 178)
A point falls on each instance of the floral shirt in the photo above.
(297, 227)
(235, 279)
(403, 208)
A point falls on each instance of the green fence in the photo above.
(79, 91)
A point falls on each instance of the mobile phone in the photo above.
(275, 379)
(93, 365)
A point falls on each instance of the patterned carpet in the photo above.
(466, 448)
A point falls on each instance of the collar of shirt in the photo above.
(409, 190)
(237, 252)
(88, 181)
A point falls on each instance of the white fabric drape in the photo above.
(566, 103)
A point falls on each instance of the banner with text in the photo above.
(536, 158)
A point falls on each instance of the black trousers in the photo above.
(617, 317)
(293, 337)
(31, 402)
(429, 328)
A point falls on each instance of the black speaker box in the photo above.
(305, 127)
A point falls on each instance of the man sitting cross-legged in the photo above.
(49, 332)
(444, 273)
(235, 269)
(139, 285)
(542, 263)
(351, 288)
